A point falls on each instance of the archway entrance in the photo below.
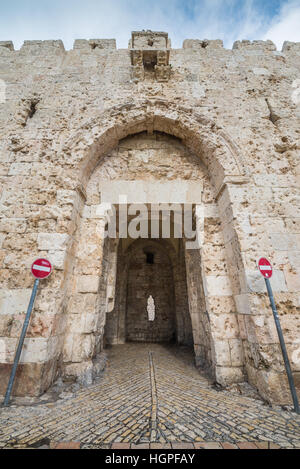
(151, 302)
(111, 279)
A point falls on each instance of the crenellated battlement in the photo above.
(36, 47)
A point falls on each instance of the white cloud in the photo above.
(286, 25)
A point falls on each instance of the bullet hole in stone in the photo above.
(272, 116)
(32, 109)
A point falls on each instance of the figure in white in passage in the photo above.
(151, 308)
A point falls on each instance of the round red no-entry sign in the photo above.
(265, 267)
(41, 268)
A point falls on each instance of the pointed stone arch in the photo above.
(99, 135)
(199, 134)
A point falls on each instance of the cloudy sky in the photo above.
(278, 20)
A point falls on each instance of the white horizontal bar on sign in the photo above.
(42, 268)
(151, 192)
(265, 267)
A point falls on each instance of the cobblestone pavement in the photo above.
(150, 394)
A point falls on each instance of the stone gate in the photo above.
(227, 119)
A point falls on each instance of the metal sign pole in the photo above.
(20, 345)
(283, 348)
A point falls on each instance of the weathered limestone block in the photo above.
(287, 202)
(162, 72)
(42, 47)
(80, 372)
(92, 44)
(202, 44)
(14, 301)
(269, 225)
(20, 169)
(111, 277)
(13, 225)
(65, 196)
(102, 44)
(49, 300)
(272, 386)
(35, 350)
(82, 44)
(293, 47)
(85, 323)
(57, 259)
(245, 44)
(221, 353)
(52, 241)
(261, 71)
(214, 259)
(32, 379)
(149, 39)
(294, 355)
(236, 352)
(7, 44)
(80, 348)
(255, 282)
(79, 303)
(224, 325)
(265, 356)
(84, 373)
(217, 285)
(41, 325)
(220, 304)
(292, 279)
(88, 284)
(243, 303)
(229, 375)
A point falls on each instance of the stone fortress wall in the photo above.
(63, 112)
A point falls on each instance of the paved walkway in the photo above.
(150, 394)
